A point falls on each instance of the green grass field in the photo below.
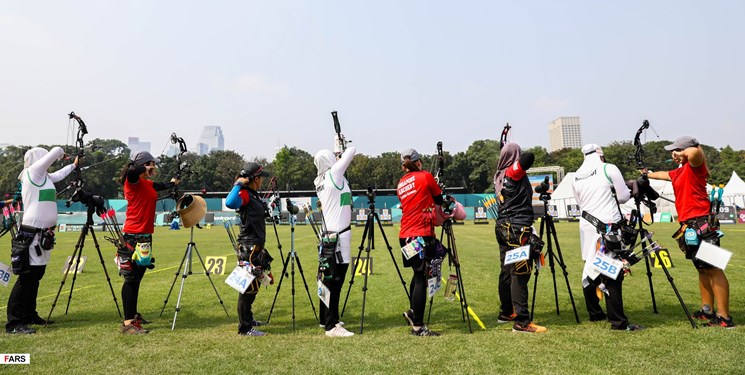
(87, 339)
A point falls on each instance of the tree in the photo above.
(294, 169)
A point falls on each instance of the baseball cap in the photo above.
(592, 148)
(409, 153)
(144, 157)
(252, 170)
(682, 143)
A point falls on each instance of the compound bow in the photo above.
(77, 182)
(503, 138)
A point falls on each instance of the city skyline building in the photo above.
(210, 140)
(135, 145)
(565, 132)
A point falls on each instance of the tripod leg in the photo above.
(651, 286)
(564, 269)
(307, 290)
(644, 244)
(204, 267)
(279, 286)
(461, 285)
(370, 244)
(103, 265)
(672, 284)
(184, 275)
(81, 241)
(178, 271)
(390, 251)
(78, 248)
(354, 269)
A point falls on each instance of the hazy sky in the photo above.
(400, 73)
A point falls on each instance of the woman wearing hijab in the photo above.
(335, 195)
(514, 229)
(35, 238)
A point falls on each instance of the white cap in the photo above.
(592, 148)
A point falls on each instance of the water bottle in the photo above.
(451, 287)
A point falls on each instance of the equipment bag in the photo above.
(19, 252)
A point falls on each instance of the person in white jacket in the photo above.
(35, 238)
(335, 195)
(592, 189)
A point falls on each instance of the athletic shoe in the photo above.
(256, 323)
(20, 330)
(252, 332)
(424, 331)
(719, 321)
(700, 314)
(631, 327)
(598, 318)
(504, 318)
(39, 321)
(339, 331)
(528, 328)
(140, 319)
(409, 316)
(324, 326)
(133, 328)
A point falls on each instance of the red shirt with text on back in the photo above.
(689, 186)
(416, 191)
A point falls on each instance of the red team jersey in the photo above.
(415, 191)
(141, 198)
(689, 185)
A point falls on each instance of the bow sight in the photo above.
(183, 166)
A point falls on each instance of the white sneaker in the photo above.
(324, 326)
(339, 331)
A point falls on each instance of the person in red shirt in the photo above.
(141, 194)
(418, 192)
(692, 203)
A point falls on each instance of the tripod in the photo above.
(291, 258)
(644, 240)
(77, 253)
(447, 230)
(369, 235)
(547, 227)
(186, 266)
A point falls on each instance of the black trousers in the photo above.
(245, 315)
(330, 316)
(418, 293)
(22, 300)
(131, 291)
(613, 301)
(519, 275)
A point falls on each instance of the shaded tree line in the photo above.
(472, 169)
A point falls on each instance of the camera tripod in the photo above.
(645, 241)
(453, 259)
(77, 253)
(369, 235)
(547, 227)
(186, 266)
(291, 259)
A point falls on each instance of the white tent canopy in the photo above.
(734, 191)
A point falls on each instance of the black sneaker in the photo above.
(256, 323)
(719, 321)
(504, 318)
(39, 321)
(424, 331)
(700, 314)
(409, 316)
(631, 327)
(140, 319)
(21, 330)
(252, 332)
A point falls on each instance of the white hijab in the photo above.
(323, 160)
(32, 156)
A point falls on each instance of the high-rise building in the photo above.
(136, 146)
(565, 132)
(210, 140)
